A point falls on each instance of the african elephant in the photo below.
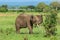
(25, 20)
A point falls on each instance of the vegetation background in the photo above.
(8, 17)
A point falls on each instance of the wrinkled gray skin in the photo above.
(25, 20)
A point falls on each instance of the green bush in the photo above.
(50, 23)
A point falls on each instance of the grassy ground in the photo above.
(7, 29)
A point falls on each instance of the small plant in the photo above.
(53, 38)
(1, 30)
(25, 38)
(9, 30)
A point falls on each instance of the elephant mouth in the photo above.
(36, 25)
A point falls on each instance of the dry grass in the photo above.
(8, 14)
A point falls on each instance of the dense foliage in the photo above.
(50, 23)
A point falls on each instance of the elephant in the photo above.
(25, 20)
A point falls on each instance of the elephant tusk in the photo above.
(38, 27)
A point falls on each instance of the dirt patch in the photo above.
(8, 14)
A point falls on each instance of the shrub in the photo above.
(50, 23)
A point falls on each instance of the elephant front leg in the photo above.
(30, 29)
(29, 26)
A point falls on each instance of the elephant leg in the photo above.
(29, 26)
(17, 29)
(30, 30)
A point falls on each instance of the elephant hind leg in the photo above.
(17, 28)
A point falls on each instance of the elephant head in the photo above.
(36, 19)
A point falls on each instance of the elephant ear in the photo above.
(40, 17)
(32, 19)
